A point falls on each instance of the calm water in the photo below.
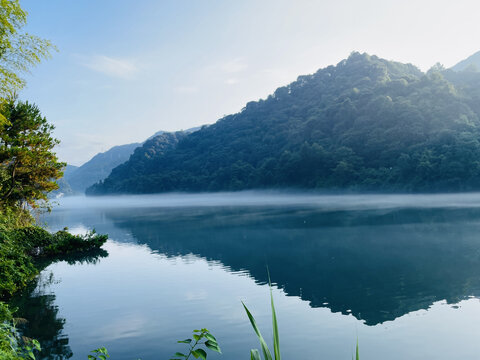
(401, 273)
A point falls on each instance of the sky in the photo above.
(127, 69)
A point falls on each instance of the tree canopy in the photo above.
(28, 165)
(19, 51)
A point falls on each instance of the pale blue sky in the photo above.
(126, 69)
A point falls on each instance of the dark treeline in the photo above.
(364, 124)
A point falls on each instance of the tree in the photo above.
(28, 165)
(19, 51)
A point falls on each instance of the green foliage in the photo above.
(200, 337)
(25, 251)
(13, 346)
(16, 267)
(19, 51)
(99, 354)
(12, 218)
(28, 165)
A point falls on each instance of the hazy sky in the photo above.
(126, 69)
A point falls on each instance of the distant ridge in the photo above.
(471, 63)
(78, 178)
(98, 167)
(188, 131)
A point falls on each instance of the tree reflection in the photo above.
(36, 304)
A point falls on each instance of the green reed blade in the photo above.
(266, 352)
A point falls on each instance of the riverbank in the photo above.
(25, 250)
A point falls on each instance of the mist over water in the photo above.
(276, 198)
(380, 267)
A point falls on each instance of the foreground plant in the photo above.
(99, 354)
(254, 353)
(357, 356)
(194, 344)
(13, 346)
(205, 338)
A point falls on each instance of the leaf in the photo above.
(186, 341)
(180, 354)
(91, 357)
(254, 355)
(194, 353)
(36, 344)
(197, 337)
(266, 352)
(102, 357)
(210, 337)
(276, 337)
(213, 346)
(202, 354)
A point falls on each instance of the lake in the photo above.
(399, 272)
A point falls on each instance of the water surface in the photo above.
(400, 272)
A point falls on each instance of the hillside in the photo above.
(64, 188)
(365, 124)
(472, 63)
(98, 167)
(140, 161)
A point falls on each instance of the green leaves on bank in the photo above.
(27, 250)
(14, 346)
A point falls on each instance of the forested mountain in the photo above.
(98, 167)
(472, 63)
(78, 178)
(366, 123)
(140, 161)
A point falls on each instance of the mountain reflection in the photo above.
(376, 264)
